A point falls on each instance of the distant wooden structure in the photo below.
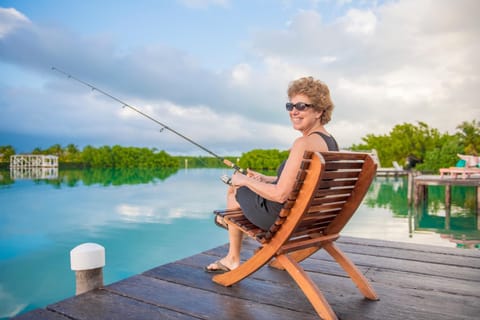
(454, 172)
(33, 166)
(395, 171)
(33, 161)
(421, 183)
(420, 190)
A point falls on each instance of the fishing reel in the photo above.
(226, 179)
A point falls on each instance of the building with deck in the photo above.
(33, 161)
(33, 166)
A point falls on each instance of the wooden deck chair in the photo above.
(329, 188)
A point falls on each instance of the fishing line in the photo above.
(163, 126)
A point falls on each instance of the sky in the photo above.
(217, 71)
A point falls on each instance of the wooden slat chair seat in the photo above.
(328, 190)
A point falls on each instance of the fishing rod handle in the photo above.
(241, 170)
(234, 166)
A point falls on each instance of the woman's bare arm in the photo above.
(280, 191)
(261, 177)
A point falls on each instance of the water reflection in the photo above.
(389, 193)
(145, 218)
(87, 177)
(459, 224)
(389, 215)
(18, 173)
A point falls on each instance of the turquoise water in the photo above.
(145, 219)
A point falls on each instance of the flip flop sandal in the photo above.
(221, 268)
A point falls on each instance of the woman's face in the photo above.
(306, 119)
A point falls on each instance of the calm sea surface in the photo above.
(146, 218)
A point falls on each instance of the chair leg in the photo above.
(357, 277)
(298, 256)
(257, 261)
(309, 288)
(301, 254)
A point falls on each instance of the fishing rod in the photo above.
(164, 126)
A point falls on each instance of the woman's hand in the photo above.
(239, 179)
(255, 175)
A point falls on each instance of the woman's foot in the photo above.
(221, 266)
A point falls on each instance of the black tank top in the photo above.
(329, 140)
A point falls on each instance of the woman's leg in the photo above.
(232, 259)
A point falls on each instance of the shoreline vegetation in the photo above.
(412, 145)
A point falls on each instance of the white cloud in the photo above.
(383, 64)
(362, 22)
(396, 66)
(241, 73)
(10, 19)
(11, 305)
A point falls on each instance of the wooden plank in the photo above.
(397, 250)
(418, 256)
(401, 278)
(412, 266)
(390, 262)
(186, 299)
(395, 302)
(362, 242)
(102, 304)
(438, 180)
(189, 272)
(346, 300)
(282, 290)
(41, 314)
(443, 258)
(425, 283)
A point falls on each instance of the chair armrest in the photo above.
(225, 212)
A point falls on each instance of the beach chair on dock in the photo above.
(329, 188)
(456, 171)
(462, 167)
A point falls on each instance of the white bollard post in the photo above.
(87, 260)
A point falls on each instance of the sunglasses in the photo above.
(300, 106)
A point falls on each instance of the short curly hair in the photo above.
(317, 92)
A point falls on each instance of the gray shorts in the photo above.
(260, 211)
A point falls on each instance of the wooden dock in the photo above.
(413, 282)
(421, 183)
(391, 172)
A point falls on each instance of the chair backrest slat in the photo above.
(332, 198)
(325, 192)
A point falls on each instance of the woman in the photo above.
(261, 197)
